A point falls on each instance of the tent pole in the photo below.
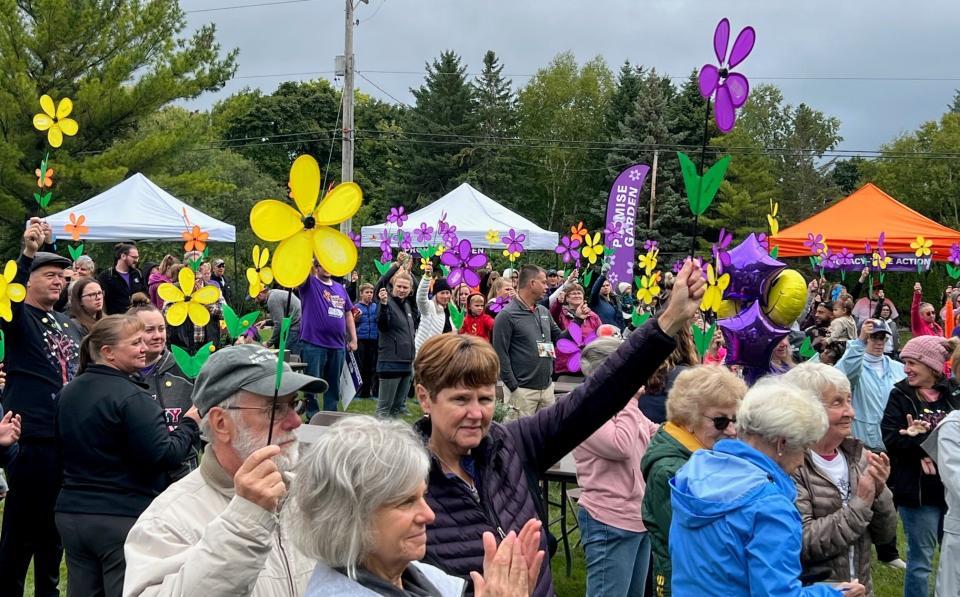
(237, 301)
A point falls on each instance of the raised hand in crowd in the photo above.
(685, 297)
(574, 275)
(915, 428)
(32, 237)
(259, 480)
(9, 429)
(865, 330)
(917, 288)
(583, 311)
(864, 274)
(383, 296)
(428, 269)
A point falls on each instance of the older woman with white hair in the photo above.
(736, 530)
(842, 494)
(359, 495)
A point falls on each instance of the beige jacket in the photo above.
(198, 538)
(833, 532)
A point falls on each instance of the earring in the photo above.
(779, 452)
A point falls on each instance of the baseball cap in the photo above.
(43, 259)
(551, 272)
(246, 367)
(217, 262)
(879, 327)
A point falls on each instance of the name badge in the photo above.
(546, 350)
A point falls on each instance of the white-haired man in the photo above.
(220, 530)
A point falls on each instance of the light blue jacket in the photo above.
(735, 529)
(870, 391)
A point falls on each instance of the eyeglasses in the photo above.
(280, 409)
(722, 422)
(92, 295)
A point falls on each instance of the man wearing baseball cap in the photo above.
(219, 530)
(42, 349)
(218, 275)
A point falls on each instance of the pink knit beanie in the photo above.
(932, 351)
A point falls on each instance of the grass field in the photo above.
(887, 582)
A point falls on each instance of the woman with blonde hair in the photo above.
(701, 409)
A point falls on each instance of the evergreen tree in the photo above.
(846, 174)
(437, 134)
(624, 98)
(954, 106)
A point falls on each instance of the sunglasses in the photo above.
(722, 422)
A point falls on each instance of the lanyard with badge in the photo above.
(545, 349)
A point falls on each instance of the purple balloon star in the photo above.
(514, 241)
(568, 249)
(751, 269)
(398, 215)
(424, 233)
(731, 88)
(462, 263)
(751, 337)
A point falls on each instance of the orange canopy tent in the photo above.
(859, 219)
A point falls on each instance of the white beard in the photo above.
(246, 443)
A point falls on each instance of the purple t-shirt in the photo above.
(324, 309)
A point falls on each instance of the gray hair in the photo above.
(359, 465)
(594, 354)
(774, 409)
(817, 378)
(85, 261)
(205, 431)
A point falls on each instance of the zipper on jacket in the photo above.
(286, 562)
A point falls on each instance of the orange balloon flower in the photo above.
(76, 227)
(578, 232)
(195, 240)
(45, 180)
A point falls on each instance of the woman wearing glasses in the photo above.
(701, 409)
(116, 452)
(86, 304)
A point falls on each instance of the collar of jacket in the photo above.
(686, 439)
(948, 391)
(489, 445)
(105, 370)
(850, 448)
(214, 474)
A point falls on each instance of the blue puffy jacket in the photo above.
(735, 528)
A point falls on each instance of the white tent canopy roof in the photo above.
(473, 213)
(137, 209)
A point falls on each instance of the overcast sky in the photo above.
(833, 47)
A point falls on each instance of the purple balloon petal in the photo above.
(739, 89)
(471, 278)
(456, 275)
(464, 249)
(721, 37)
(743, 46)
(566, 346)
(450, 259)
(708, 80)
(573, 365)
(576, 333)
(478, 260)
(723, 109)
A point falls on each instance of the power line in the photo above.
(238, 6)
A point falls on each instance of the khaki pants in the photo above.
(524, 402)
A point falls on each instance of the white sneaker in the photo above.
(897, 564)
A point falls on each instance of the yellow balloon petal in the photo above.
(187, 280)
(305, 183)
(6, 313)
(198, 313)
(274, 221)
(256, 255)
(266, 275)
(254, 288)
(177, 314)
(64, 108)
(42, 122)
(170, 293)
(334, 250)
(46, 104)
(54, 136)
(253, 277)
(206, 295)
(69, 126)
(10, 270)
(293, 259)
(339, 204)
(16, 292)
(264, 258)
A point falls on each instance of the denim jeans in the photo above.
(325, 363)
(393, 395)
(617, 560)
(923, 526)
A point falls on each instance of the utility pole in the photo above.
(346, 172)
(653, 187)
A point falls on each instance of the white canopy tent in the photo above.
(137, 209)
(473, 213)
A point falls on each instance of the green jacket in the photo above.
(669, 450)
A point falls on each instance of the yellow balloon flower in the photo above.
(921, 246)
(881, 262)
(512, 256)
(184, 301)
(10, 291)
(648, 261)
(306, 233)
(649, 288)
(493, 237)
(713, 296)
(772, 219)
(592, 247)
(54, 120)
(441, 249)
(260, 275)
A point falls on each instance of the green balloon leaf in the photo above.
(702, 338)
(456, 315)
(445, 270)
(587, 276)
(637, 319)
(775, 251)
(953, 271)
(236, 325)
(428, 252)
(3, 346)
(701, 190)
(281, 347)
(382, 267)
(806, 349)
(75, 251)
(191, 364)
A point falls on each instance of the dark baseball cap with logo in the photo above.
(246, 367)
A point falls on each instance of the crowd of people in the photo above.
(693, 482)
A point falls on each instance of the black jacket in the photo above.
(114, 444)
(182, 335)
(116, 292)
(172, 389)
(910, 486)
(398, 328)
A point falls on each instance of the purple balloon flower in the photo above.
(844, 257)
(650, 245)
(386, 253)
(403, 240)
(450, 237)
(354, 237)
(955, 253)
(424, 233)
(720, 255)
(571, 347)
(514, 241)
(397, 216)
(815, 243)
(731, 89)
(568, 249)
(497, 304)
(462, 263)
(613, 232)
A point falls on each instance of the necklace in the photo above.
(446, 464)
